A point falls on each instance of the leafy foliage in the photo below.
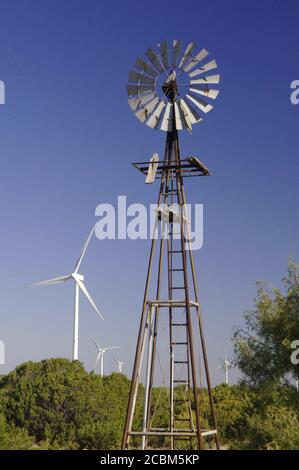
(263, 347)
(13, 438)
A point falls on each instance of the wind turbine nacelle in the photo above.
(78, 276)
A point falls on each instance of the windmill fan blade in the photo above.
(209, 79)
(154, 58)
(142, 65)
(187, 54)
(49, 282)
(198, 58)
(180, 122)
(164, 53)
(167, 121)
(146, 110)
(204, 68)
(193, 116)
(176, 49)
(140, 78)
(196, 115)
(87, 295)
(138, 101)
(139, 89)
(151, 105)
(184, 109)
(210, 93)
(155, 118)
(84, 248)
(205, 107)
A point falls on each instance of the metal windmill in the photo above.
(166, 91)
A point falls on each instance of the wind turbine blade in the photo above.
(84, 248)
(87, 295)
(55, 280)
(111, 347)
(96, 344)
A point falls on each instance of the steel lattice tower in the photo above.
(174, 268)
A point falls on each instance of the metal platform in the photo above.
(187, 168)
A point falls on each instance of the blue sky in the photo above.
(67, 140)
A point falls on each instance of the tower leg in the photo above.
(148, 373)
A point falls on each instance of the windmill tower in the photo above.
(165, 92)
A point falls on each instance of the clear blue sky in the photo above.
(66, 127)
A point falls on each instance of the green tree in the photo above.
(12, 437)
(234, 406)
(53, 400)
(263, 347)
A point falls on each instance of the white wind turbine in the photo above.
(119, 364)
(100, 355)
(225, 365)
(79, 285)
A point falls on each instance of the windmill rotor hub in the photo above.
(185, 93)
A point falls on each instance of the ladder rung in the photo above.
(169, 193)
(180, 438)
(179, 324)
(175, 251)
(181, 382)
(182, 419)
(176, 269)
(177, 288)
(181, 362)
(176, 343)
